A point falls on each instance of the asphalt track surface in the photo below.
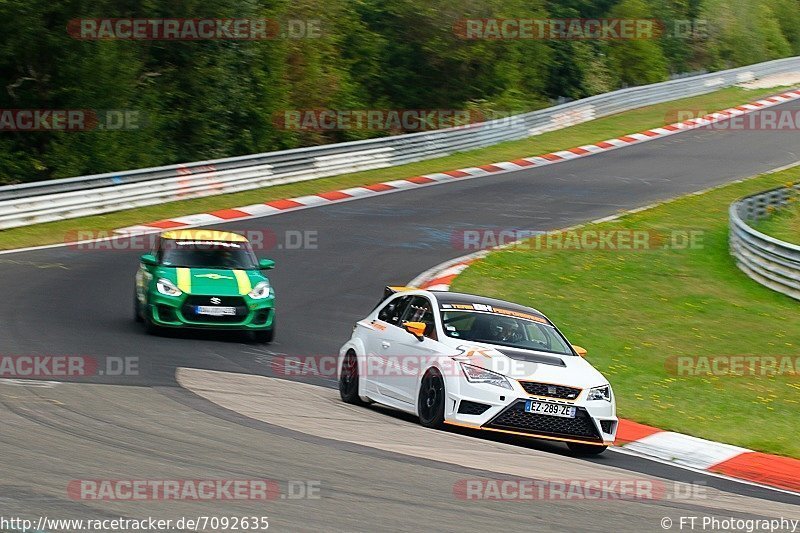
(68, 301)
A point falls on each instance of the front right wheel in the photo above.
(137, 308)
(430, 402)
(149, 326)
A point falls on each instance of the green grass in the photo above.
(783, 224)
(633, 310)
(590, 132)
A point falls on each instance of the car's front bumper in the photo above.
(178, 312)
(492, 408)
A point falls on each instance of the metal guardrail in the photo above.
(767, 260)
(45, 201)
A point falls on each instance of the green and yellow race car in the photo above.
(205, 279)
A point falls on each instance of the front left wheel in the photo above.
(430, 403)
(265, 335)
(348, 380)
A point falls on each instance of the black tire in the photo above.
(578, 448)
(265, 336)
(430, 403)
(137, 311)
(149, 327)
(348, 380)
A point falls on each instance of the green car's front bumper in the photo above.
(180, 312)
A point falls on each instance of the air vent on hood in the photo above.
(528, 357)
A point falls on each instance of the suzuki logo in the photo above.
(551, 389)
(216, 301)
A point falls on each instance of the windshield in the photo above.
(207, 254)
(507, 331)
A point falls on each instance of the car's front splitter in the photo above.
(530, 435)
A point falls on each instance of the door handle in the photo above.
(386, 344)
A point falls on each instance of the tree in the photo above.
(636, 61)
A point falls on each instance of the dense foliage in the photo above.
(216, 98)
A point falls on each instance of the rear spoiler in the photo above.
(390, 290)
(394, 289)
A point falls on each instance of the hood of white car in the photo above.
(532, 365)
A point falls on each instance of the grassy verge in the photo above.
(637, 310)
(590, 132)
(783, 224)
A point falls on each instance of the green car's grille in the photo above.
(192, 302)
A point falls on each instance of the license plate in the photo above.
(552, 409)
(215, 311)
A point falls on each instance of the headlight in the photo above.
(476, 374)
(167, 288)
(600, 393)
(260, 291)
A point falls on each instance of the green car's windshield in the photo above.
(207, 254)
(509, 331)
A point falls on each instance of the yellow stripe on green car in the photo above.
(185, 280)
(244, 281)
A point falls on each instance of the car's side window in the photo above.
(421, 310)
(393, 311)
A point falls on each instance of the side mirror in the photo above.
(580, 351)
(149, 260)
(266, 264)
(415, 328)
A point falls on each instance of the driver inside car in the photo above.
(506, 330)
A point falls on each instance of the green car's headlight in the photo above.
(260, 291)
(600, 393)
(167, 288)
(475, 374)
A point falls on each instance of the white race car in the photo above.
(472, 361)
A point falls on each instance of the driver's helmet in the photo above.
(504, 328)
(223, 256)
